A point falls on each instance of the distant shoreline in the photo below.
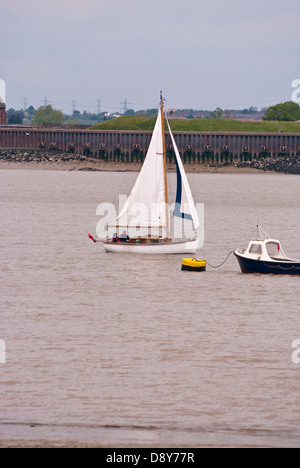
(96, 165)
(62, 161)
(66, 161)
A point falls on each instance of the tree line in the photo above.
(287, 111)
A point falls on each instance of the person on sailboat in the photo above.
(124, 237)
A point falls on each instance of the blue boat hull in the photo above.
(258, 266)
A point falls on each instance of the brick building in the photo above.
(2, 113)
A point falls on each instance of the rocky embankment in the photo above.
(285, 164)
(43, 159)
(39, 156)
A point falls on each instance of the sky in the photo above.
(202, 54)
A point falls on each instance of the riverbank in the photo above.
(56, 160)
(15, 435)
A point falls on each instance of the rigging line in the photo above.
(218, 266)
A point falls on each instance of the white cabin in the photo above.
(265, 250)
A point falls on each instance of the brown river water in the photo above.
(127, 351)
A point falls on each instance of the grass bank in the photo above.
(198, 125)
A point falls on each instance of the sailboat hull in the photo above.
(152, 249)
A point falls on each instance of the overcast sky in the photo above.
(202, 54)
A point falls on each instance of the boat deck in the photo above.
(139, 240)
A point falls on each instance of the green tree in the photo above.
(227, 114)
(48, 115)
(30, 111)
(151, 112)
(14, 118)
(217, 114)
(286, 111)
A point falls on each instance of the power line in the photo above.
(124, 105)
(100, 104)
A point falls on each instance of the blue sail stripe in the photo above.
(177, 211)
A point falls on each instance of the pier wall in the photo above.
(132, 145)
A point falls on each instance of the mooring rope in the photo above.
(218, 266)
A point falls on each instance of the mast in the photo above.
(165, 162)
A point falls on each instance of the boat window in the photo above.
(272, 249)
(256, 249)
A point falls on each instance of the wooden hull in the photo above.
(152, 249)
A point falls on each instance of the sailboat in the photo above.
(143, 225)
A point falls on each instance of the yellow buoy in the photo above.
(193, 264)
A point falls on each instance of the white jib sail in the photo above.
(144, 212)
(185, 207)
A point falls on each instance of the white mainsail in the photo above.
(145, 208)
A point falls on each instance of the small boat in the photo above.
(265, 255)
(150, 232)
